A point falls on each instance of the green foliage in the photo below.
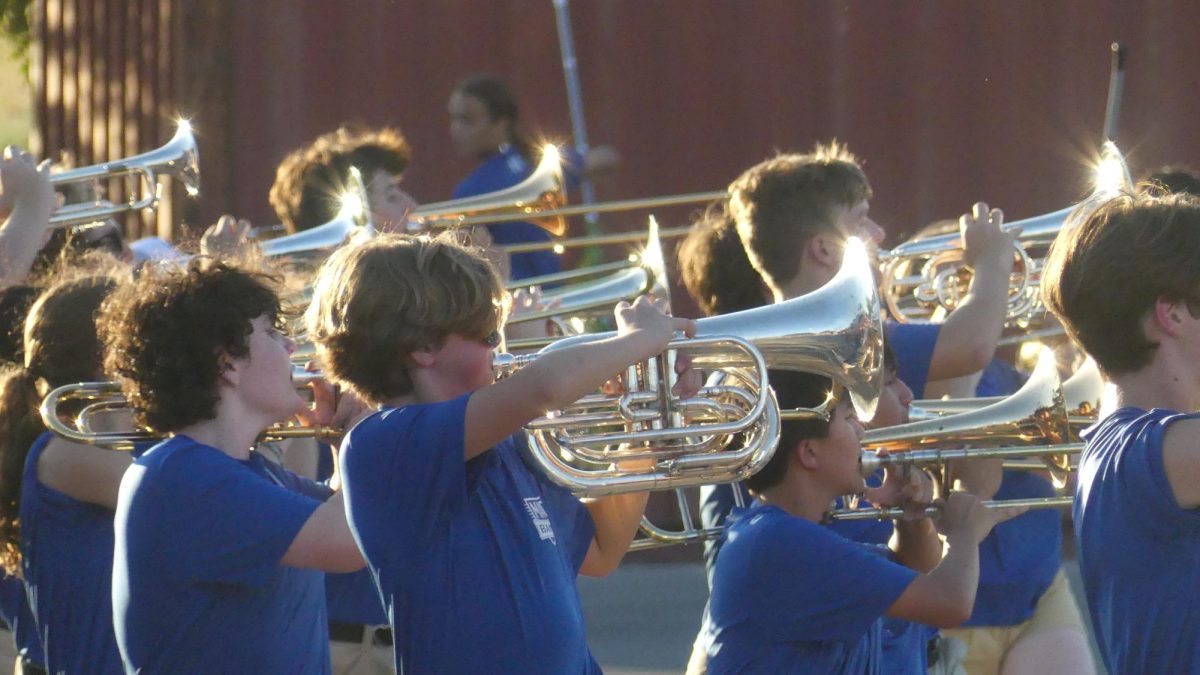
(14, 23)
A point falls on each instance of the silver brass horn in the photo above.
(353, 219)
(179, 158)
(926, 274)
(644, 273)
(834, 331)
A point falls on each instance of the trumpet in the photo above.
(927, 274)
(106, 397)
(835, 331)
(178, 157)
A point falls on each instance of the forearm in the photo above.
(616, 519)
(20, 240)
(917, 545)
(968, 338)
(955, 579)
(564, 376)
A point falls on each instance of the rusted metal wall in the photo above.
(102, 70)
(946, 102)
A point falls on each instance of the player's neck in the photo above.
(1168, 381)
(800, 496)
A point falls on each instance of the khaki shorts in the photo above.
(987, 645)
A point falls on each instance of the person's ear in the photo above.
(423, 358)
(825, 250)
(227, 369)
(1167, 318)
(806, 454)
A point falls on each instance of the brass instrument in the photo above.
(104, 397)
(926, 274)
(353, 219)
(644, 273)
(178, 157)
(535, 199)
(1034, 414)
(1081, 395)
(835, 331)
(933, 511)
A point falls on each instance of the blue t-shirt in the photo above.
(913, 344)
(66, 551)
(197, 584)
(1137, 548)
(504, 170)
(476, 561)
(791, 596)
(16, 614)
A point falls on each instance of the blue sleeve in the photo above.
(1144, 483)
(820, 586)
(234, 525)
(572, 521)
(913, 344)
(404, 475)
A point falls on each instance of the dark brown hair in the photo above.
(793, 390)
(309, 180)
(1102, 277)
(780, 204)
(166, 331)
(500, 104)
(61, 347)
(714, 266)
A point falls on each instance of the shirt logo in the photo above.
(541, 519)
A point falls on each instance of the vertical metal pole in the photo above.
(566, 43)
(1116, 82)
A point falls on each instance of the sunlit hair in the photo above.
(794, 390)
(310, 180)
(714, 266)
(1103, 277)
(781, 203)
(376, 302)
(61, 347)
(166, 333)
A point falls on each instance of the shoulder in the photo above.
(391, 424)
(769, 533)
(182, 466)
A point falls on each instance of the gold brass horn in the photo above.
(178, 157)
(531, 199)
(1081, 396)
(1034, 414)
(106, 396)
(927, 274)
(933, 511)
(834, 331)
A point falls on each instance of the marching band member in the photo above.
(57, 497)
(219, 552)
(1125, 285)
(484, 127)
(474, 553)
(790, 595)
(309, 181)
(793, 214)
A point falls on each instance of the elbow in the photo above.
(953, 613)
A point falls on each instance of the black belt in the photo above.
(31, 668)
(353, 632)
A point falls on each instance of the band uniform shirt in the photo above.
(16, 614)
(913, 344)
(793, 596)
(66, 547)
(1137, 548)
(476, 560)
(503, 170)
(197, 580)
